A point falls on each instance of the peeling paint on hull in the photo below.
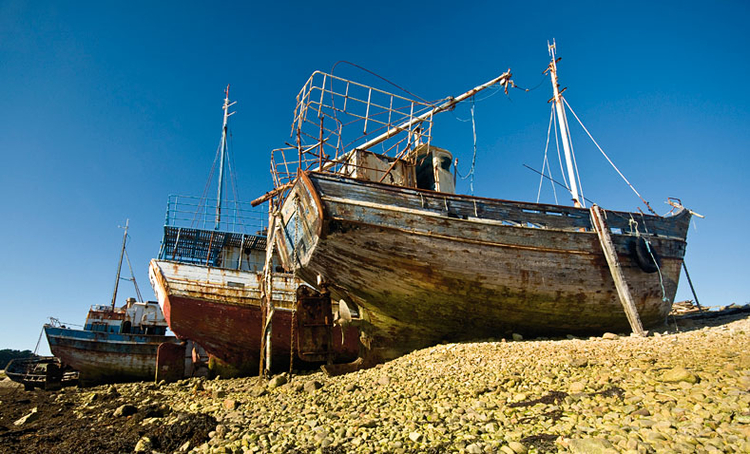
(102, 356)
(429, 266)
(228, 321)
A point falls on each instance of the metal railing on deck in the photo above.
(334, 116)
(198, 213)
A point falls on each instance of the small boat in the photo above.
(115, 344)
(208, 277)
(41, 372)
(373, 218)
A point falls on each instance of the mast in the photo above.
(119, 265)
(227, 114)
(563, 127)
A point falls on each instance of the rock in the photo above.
(415, 436)
(277, 381)
(517, 337)
(517, 447)
(679, 374)
(351, 387)
(125, 410)
(384, 380)
(313, 386)
(143, 445)
(230, 404)
(591, 446)
(577, 387)
(218, 393)
(258, 391)
(610, 336)
(473, 449)
(578, 362)
(29, 418)
(641, 412)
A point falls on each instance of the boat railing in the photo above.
(333, 117)
(200, 213)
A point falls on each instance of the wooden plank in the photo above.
(597, 219)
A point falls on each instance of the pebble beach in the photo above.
(685, 389)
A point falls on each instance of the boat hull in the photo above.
(221, 310)
(106, 357)
(430, 267)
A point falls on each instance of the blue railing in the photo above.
(198, 213)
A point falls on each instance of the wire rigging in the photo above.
(474, 155)
(608, 159)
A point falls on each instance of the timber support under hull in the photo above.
(429, 266)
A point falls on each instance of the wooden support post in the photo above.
(600, 225)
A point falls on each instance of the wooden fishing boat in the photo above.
(385, 231)
(207, 279)
(115, 344)
(41, 372)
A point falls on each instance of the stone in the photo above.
(591, 446)
(415, 436)
(473, 449)
(679, 374)
(125, 410)
(577, 387)
(230, 404)
(351, 387)
(29, 418)
(517, 337)
(313, 386)
(277, 381)
(384, 380)
(610, 336)
(578, 362)
(518, 448)
(143, 445)
(258, 391)
(218, 393)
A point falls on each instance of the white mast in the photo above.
(119, 264)
(226, 107)
(563, 127)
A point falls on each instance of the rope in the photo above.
(609, 160)
(381, 78)
(36, 349)
(474, 156)
(545, 161)
(658, 268)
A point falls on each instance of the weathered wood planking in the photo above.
(428, 266)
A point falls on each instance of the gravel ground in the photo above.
(686, 390)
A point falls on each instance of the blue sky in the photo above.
(106, 108)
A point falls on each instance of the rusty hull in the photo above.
(428, 267)
(106, 357)
(220, 310)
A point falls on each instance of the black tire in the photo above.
(648, 262)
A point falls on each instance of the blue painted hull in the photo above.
(106, 357)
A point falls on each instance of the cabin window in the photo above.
(125, 328)
(425, 173)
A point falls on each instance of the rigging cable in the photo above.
(609, 160)
(545, 162)
(474, 156)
